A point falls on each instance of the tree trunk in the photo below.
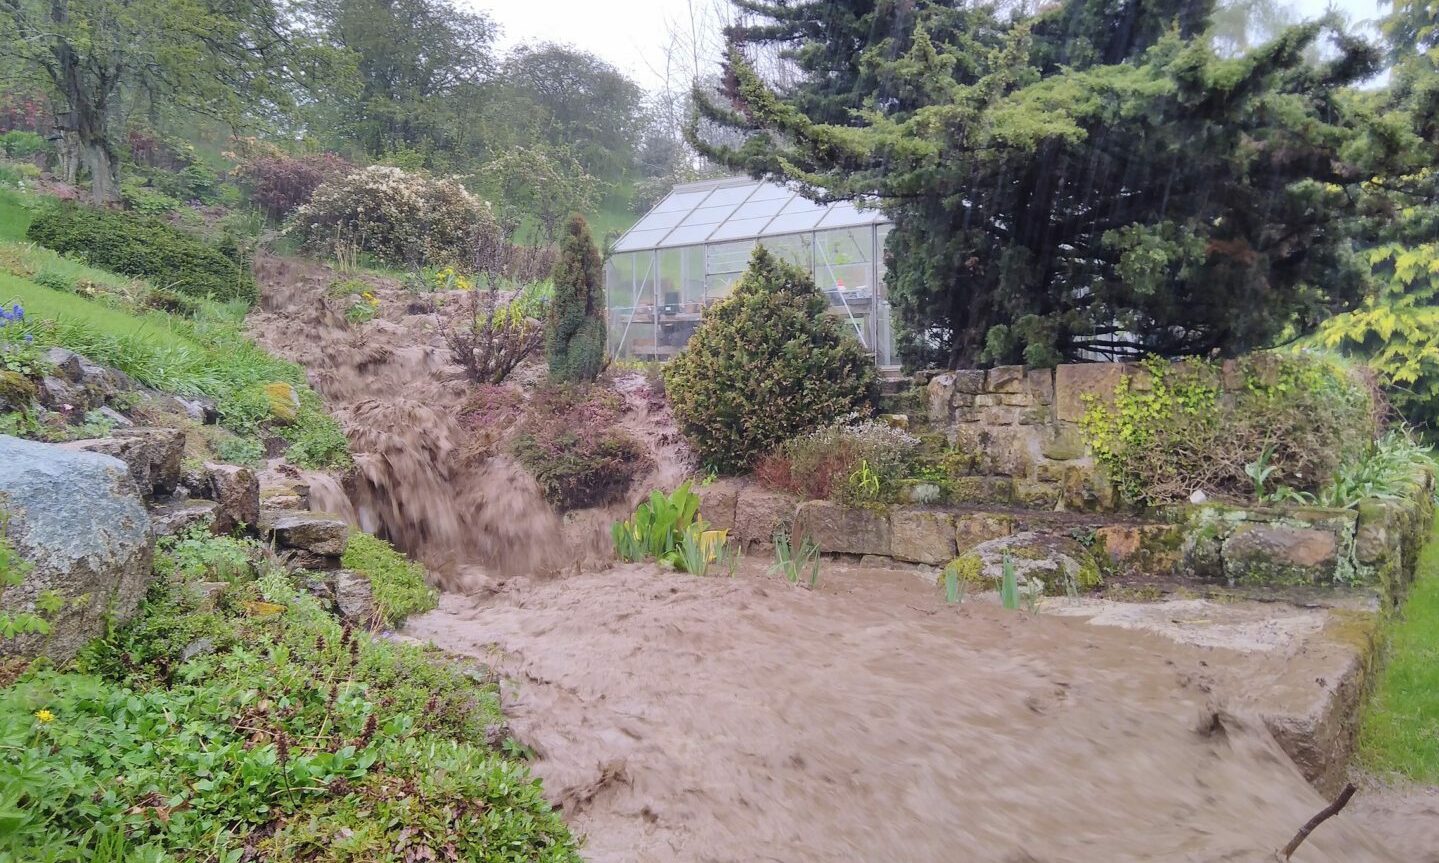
(104, 170)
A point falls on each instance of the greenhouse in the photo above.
(689, 250)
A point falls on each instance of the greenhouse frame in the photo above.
(688, 252)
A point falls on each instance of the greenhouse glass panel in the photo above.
(724, 262)
(684, 201)
(797, 249)
(630, 298)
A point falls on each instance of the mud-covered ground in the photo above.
(678, 718)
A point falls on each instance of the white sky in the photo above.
(633, 34)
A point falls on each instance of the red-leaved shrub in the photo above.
(279, 183)
(571, 443)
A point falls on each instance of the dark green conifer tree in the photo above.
(575, 335)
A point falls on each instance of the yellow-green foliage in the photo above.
(1175, 428)
(1397, 328)
(396, 582)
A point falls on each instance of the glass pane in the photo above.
(729, 195)
(689, 236)
(708, 215)
(737, 228)
(640, 240)
(798, 249)
(629, 298)
(682, 278)
(844, 214)
(724, 262)
(803, 205)
(884, 312)
(794, 222)
(772, 191)
(680, 201)
(658, 220)
(752, 209)
(844, 271)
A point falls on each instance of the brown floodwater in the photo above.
(677, 718)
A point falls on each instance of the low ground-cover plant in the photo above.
(134, 245)
(571, 443)
(397, 583)
(852, 461)
(254, 725)
(765, 365)
(1181, 428)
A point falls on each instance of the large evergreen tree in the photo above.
(1093, 178)
(575, 336)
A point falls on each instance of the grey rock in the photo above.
(237, 491)
(761, 512)
(920, 536)
(78, 519)
(354, 600)
(119, 420)
(151, 454)
(319, 533)
(198, 647)
(177, 518)
(1043, 563)
(838, 529)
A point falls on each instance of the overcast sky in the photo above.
(633, 34)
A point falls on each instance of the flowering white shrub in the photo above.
(400, 217)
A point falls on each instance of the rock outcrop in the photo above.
(78, 519)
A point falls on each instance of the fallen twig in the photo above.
(1324, 815)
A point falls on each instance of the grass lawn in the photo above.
(1400, 734)
(14, 215)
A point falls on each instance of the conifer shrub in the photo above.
(765, 365)
(146, 247)
(575, 335)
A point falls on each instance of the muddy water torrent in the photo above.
(686, 719)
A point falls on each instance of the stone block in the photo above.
(319, 533)
(1063, 442)
(1016, 400)
(920, 536)
(982, 490)
(987, 400)
(939, 389)
(839, 529)
(237, 491)
(1085, 488)
(761, 512)
(973, 528)
(1039, 383)
(1274, 554)
(718, 501)
(1152, 549)
(1005, 379)
(969, 381)
(176, 519)
(1033, 494)
(1073, 381)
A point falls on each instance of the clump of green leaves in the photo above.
(1389, 469)
(397, 583)
(796, 563)
(1173, 428)
(1008, 583)
(659, 528)
(765, 365)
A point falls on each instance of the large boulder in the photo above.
(79, 385)
(318, 533)
(1043, 563)
(78, 519)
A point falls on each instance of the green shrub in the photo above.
(1183, 429)
(316, 440)
(20, 144)
(570, 443)
(397, 583)
(575, 335)
(143, 246)
(146, 200)
(766, 364)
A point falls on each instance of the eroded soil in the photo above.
(678, 718)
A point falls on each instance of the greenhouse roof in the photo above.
(736, 208)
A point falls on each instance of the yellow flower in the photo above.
(44, 715)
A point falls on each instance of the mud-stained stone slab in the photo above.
(1305, 669)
